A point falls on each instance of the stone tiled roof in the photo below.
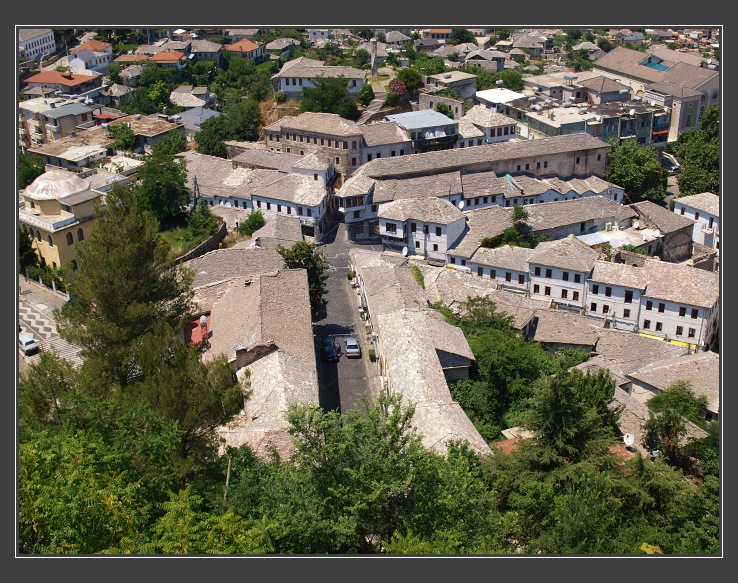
(701, 370)
(567, 253)
(442, 335)
(313, 161)
(25, 34)
(217, 176)
(505, 257)
(266, 159)
(624, 352)
(456, 158)
(224, 264)
(252, 317)
(389, 288)
(481, 223)
(394, 36)
(621, 274)
(204, 46)
(488, 183)
(300, 61)
(427, 209)
(329, 124)
(662, 218)
(563, 327)
(468, 130)
(277, 230)
(294, 188)
(184, 99)
(356, 184)
(364, 258)
(488, 118)
(682, 284)
(280, 44)
(551, 215)
(415, 372)
(387, 132)
(440, 185)
(277, 125)
(704, 201)
(602, 85)
(312, 72)
(485, 54)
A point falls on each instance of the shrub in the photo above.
(253, 223)
(350, 274)
(391, 99)
(281, 97)
(365, 95)
(372, 355)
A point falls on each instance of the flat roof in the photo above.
(414, 120)
(500, 95)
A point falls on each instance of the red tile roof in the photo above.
(242, 46)
(197, 333)
(93, 45)
(506, 446)
(168, 57)
(61, 78)
(440, 30)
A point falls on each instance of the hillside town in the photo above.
(351, 220)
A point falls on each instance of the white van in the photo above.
(27, 343)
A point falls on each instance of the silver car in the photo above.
(351, 347)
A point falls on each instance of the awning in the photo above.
(656, 132)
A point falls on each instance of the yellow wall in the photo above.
(60, 253)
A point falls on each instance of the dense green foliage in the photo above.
(699, 150)
(162, 184)
(30, 167)
(519, 235)
(365, 94)
(253, 223)
(637, 169)
(329, 95)
(26, 253)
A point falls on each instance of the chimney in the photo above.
(53, 105)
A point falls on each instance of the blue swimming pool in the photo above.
(657, 66)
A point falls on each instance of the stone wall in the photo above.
(211, 244)
(431, 101)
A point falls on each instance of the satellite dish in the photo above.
(461, 204)
(203, 320)
(404, 251)
(626, 241)
(628, 439)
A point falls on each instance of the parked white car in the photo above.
(352, 347)
(27, 343)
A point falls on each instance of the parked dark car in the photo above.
(330, 352)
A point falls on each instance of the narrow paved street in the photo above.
(342, 383)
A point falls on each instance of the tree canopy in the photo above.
(162, 184)
(329, 95)
(30, 167)
(637, 169)
(303, 255)
(699, 150)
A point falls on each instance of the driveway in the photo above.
(342, 383)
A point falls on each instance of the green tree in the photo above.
(161, 186)
(114, 70)
(365, 94)
(365, 33)
(200, 397)
(126, 282)
(253, 223)
(138, 101)
(636, 168)
(302, 255)
(173, 143)
(213, 133)
(570, 415)
(679, 397)
(124, 136)
(201, 218)
(26, 253)
(30, 167)
(73, 496)
(362, 56)
(328, 95)
(699, 150)
(42, 390)
(462, 35)
(245, 120)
